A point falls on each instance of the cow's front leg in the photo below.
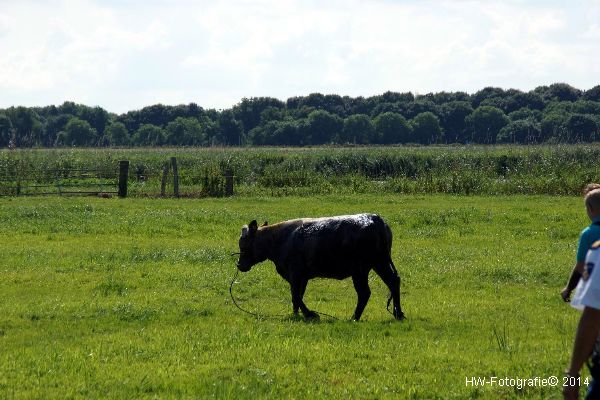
(302, 290)
(298, 286)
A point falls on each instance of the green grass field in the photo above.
(129, 298)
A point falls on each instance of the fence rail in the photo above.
(76, 182)
(166, 180)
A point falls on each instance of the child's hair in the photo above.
(592, 199)
(589, 187)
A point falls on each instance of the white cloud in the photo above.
(592, 32)
(130, 54)
(75, 51)
(6, 23)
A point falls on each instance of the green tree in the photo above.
(397, 97)
(525, 113)
(97, 117)
(426, 128)
(54, 125)
(581, 128)
(149, 135)
(559, 106)
(276, 133)
(485, 94)
(250, 111)
(586, 107)
(357, 129)
(332, 103)
(70, 108)
(558, 92)
(380, 108)
(26, 125)
(448, 97)
(186, 132)
(323, 126)
(156, 114)
(117, 134)
(392, 128)
(211, 130)
(271, 114)
(231, 130)
(515, 100)
(520, 131)
(260, 135)
(553, 126)
(415, 108)
(77, 133)
(592, 94)
(454, 116)
(5, 130)
(562, 92)
(485, 124)
(286, 133)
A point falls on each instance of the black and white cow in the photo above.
(332, 247)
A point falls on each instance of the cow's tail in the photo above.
(395, 272)
(390, 262)
(388, 246)
(397, 276)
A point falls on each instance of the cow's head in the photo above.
(247, 257)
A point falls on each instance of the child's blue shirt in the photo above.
(588, 236)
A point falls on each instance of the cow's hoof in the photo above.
(295, 317)
(400, 316)
(312, 316)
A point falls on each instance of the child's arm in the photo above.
(573, 281)
(587, 332)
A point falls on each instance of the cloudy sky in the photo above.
(125, 54)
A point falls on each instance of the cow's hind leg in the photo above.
(387, 273)
(361, 284)
(298, 287)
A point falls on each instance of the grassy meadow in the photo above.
(129, 298)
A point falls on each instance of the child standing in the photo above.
(588, 236)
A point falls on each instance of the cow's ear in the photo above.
(266, 223)
(253, 226)
(244, 231)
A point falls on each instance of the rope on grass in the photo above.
(262, 316)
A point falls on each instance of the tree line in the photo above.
(558, 113)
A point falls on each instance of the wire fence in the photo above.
(166, 181)
(62, 182)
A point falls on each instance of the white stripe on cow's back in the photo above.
(361, 220)
(316, 224)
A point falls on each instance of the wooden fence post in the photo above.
(228, 182)
(123, 174)
(175, 177)
(163, 183)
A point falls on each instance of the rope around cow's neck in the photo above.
(263, 316)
